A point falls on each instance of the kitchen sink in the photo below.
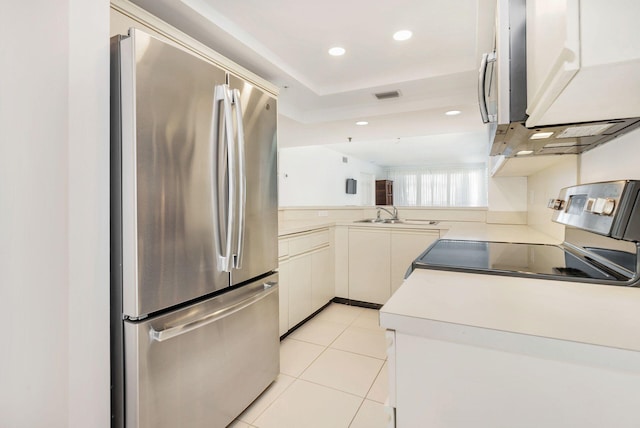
(380, 220)
(397, 221)
(419, 221)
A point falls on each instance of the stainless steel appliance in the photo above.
(502, 96)
(194, 238)
(602, 241)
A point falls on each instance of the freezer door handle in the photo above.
(241, 181)
(173, 331)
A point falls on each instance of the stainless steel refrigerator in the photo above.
(194, 238)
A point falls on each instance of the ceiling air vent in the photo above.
(387, 95)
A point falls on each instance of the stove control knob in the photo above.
(608, 207)
(556, 204)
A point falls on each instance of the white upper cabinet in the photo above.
(583, 60)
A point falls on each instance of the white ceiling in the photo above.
(321, 98)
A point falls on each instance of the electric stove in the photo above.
(601, 241)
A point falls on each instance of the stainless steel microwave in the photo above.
(502, 96)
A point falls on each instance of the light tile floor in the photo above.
(333, 374)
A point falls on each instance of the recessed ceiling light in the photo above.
(402, 35)
(362, 122)
(336, 51)
(524, 152)
(541, 135)
(453, 112)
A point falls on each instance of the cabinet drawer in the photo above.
(307, 241)
(283, 248)
(319, 239)
(299, 245)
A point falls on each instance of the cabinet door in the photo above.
(583, 61)
(405, 247)
(285, 279)
(369, 265)
(553, 53)
(299, 289)
(341, 262)
(322, 278)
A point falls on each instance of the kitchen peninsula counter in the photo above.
(594, 314)
(471, 349)
(589, 313)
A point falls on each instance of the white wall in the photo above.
(507, 193)
(316, 176)
(54, 252)
(616, 160)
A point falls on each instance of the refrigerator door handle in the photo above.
(174, 331)
(223, 198)
(241, 181)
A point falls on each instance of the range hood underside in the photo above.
(515, 138)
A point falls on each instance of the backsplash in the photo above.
(615, 160)
(545, 185)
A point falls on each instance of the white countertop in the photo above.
(289, 227)
(455, 230)
(498, 233)
(586, 313)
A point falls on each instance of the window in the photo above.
(456, 186)
(367, 188)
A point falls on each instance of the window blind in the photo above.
(453, 186)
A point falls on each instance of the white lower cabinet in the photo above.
(369, 265)
(285, 275)
(322, 278)
(460, 376)
(306, 266)
(299, 289)
(406, 245)
(379, 259)
(365, 264)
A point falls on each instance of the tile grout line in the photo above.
(332, 388)
(374, 382)
(325, 348)
(272, 401)
(356, 413)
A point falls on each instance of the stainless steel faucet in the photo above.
(394, 214)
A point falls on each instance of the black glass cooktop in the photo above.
(513, 259)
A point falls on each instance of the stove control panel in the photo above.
(609, 208)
